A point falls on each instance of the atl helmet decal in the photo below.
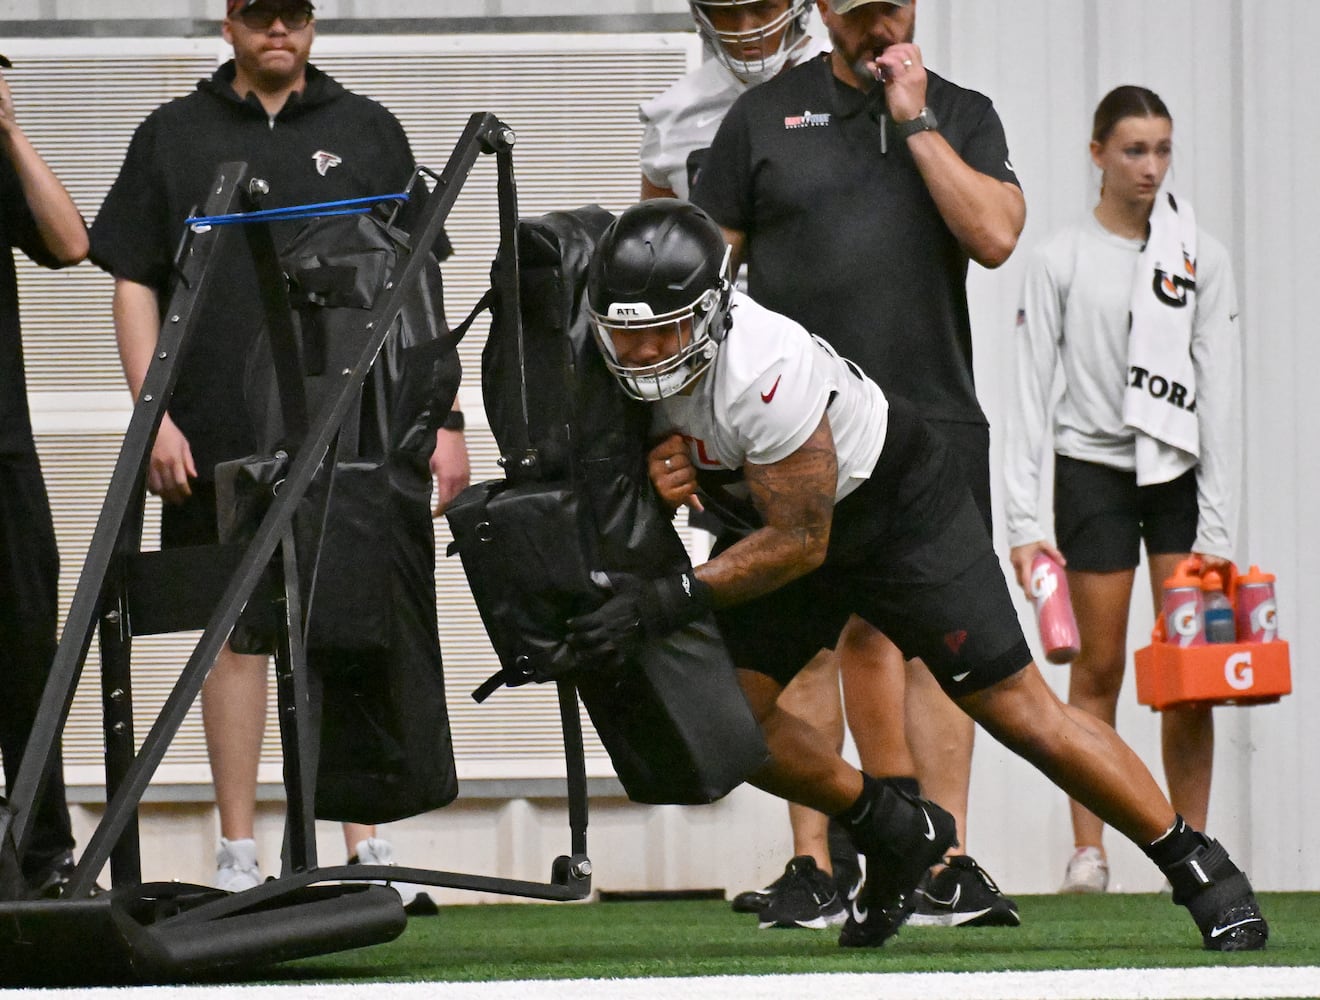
(324, 161)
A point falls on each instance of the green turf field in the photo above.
(635, 939)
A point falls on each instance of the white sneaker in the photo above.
(373, 851)
(1087, 871)
(236, 865)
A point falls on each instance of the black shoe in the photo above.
(53, 882)
(845, 862)
(1220, 899)
(804, 896)
(962, 895)
(904, 836)
(756, 900)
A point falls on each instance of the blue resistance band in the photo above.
(349, 206)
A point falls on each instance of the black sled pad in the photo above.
(174, 932)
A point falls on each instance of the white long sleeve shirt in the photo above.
(1073, 323)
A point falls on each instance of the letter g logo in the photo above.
(1238, 672)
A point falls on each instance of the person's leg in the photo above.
(234, 721)
(874, 684)
(813, 697)
(941, 736)
(1100, 602)
(1076, 751)
(29, 579)
(1089, 761)
(900, 834)
(1187, 732)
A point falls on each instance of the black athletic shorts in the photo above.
(1101, 515)
(192, 522)
(970, 444)
(910, 554)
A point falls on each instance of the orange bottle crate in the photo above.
(1228, 673)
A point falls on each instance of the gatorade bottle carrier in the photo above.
(1237, 673)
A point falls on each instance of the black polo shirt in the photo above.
(326, 144)
(17, 230)
(842, 233)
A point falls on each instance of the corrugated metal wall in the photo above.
(1245, 137)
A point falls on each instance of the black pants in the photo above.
(29, 580)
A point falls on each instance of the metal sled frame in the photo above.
(125, 592)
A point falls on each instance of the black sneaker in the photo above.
(1219, 898)
(755, 900)
(962, 895)
(804, 896)
(53, 881)
(845, 862)
(905, 836)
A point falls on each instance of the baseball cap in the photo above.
(843, 6)
(237, 5)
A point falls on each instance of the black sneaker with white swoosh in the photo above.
(907, 836)
(1219, 898)
(963, 895)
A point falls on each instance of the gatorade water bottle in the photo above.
(1054, 611)
(1183, 612)
(1219, 626)
(1257, 617)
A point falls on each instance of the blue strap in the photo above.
(348, 206)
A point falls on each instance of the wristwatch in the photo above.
(924, 122)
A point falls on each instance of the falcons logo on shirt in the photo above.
(324, 161)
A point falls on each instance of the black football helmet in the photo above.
(662, 263)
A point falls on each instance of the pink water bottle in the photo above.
(1257, 617)
(1054, 611)
(1184, 610)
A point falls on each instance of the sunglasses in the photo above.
(261, 17)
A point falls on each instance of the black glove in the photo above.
(638, 611)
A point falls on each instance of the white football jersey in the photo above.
(686, 117)
(764, 395)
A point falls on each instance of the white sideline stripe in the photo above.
(1076, 984)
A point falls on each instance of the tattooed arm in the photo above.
(795, 497)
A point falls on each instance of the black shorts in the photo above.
(1101, 515)
(192, 522)
(970, 445)
(912, 557)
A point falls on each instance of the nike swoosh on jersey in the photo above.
(767, 396)
(959, 678)
(704, 120)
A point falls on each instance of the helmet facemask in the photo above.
(698, 327)
(793, 23)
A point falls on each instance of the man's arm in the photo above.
(450, 465)
(795, 498)
(137, 327)
(985, 214)
(59, 224)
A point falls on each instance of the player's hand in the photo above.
(638, 610)
(672, 473)
(171, 464)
